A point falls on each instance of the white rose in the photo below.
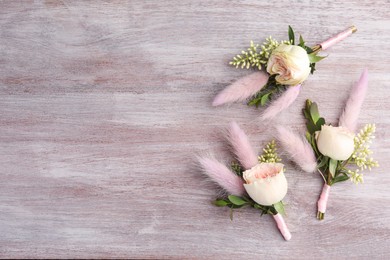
(335, 142)
(266, 183)
(291, 63)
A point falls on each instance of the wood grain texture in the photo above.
(105, 103)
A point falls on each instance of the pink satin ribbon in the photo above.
(282, 226)
(323, 198)
(337, 38)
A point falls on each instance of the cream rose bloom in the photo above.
(291, 63)
(335, 142)
(266, 183)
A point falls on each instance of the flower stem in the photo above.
(320, 215)
(282, 226)
(335, 39)
(322, 202)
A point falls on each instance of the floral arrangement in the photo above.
(335, 152)
(253, 181)
(282, 68)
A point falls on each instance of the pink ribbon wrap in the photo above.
(337, 38)
(282, 226)
(323, 198)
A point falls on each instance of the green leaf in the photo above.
(308, 104)
(264, 99)
(312, 128)
(301, 41)
(271, 211)
(332, 166)
(314, 58)
(254, 102)
(340, 178)
(308, 49)
(257, 206)
(324, 160)
(320, 123)
(314, 145)
(313, 68)
(220, 203)
(279, 207)
(238, 201)
(306, 113)
(314, 113)
(308, 136)
(291, 35)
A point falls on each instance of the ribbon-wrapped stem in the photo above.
(282, 226)
(335, 39)
(323, 201)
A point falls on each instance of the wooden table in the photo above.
(105, 104)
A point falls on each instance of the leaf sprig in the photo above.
(267, 93)
(235, 202)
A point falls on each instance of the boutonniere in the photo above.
(253, 181)
(335, 152)
(282, 68)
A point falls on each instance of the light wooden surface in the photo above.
(105, 103)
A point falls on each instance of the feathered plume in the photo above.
(223, 176)
(298, 148)
(283, 102)
(242, 89)
(354, 103)
(241, 146)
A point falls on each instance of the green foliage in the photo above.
(301, 42)
(269, 154)
(279, 207)
(234, 202)
(340, 176)
(314, 122)
(220, 203)
(314, 58)
(332, 166)
(271, 89)
(238, 201)
(291, 35)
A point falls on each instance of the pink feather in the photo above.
(354, 103)
(283, 102)
(241, 146)
(242, 89)
(223, 176)
(298, 148)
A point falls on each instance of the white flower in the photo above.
(266, 183)
(291, 63)
(335, 142)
